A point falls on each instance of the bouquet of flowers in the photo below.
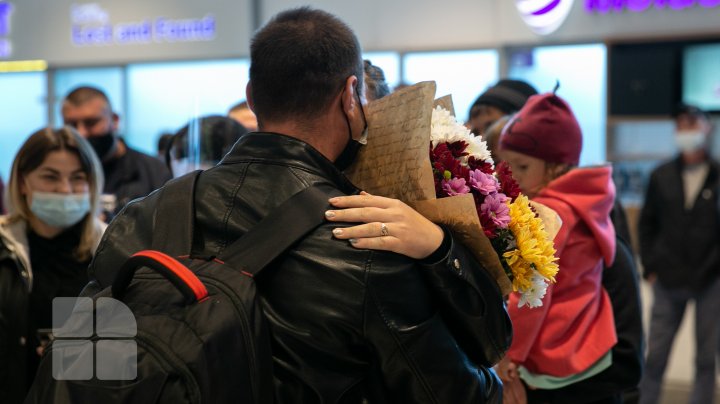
(461, 165)
(457, 184)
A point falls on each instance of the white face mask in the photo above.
(60, 210)
(689, 140)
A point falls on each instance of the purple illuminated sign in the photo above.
(91, 26)
(5, 10)
(5, 48)
(638, 6)
(5, 44)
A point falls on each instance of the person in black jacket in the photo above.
(680, 249)
(129, 174)
(46, 243)
(348, 325)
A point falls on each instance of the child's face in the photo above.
(529, 172)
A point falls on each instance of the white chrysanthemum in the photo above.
(445, 128)
(534, 295)
(478, 148)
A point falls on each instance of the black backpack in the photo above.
(201, 336)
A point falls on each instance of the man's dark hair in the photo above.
(83, 94)
(299, 62)
(691, 111)
(376, 85)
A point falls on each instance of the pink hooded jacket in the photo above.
(575, 326)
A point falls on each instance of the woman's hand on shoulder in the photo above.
(386, 224)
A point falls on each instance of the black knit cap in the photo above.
(507, 95)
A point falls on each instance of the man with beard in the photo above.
(129, 174)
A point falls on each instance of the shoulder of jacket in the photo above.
(10, 230)
(99, 228)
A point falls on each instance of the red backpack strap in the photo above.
(178, 274)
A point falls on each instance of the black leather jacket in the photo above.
(13, 327)
(680, 246)
(348, 325)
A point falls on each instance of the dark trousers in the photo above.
(558, 396)
(667, 315)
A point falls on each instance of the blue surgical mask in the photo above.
(60, 210)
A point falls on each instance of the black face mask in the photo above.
(347, 156)
(103, 145)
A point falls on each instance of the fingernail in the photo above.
(333, 200)
(337, 232)
(353, 241)
(329, 214)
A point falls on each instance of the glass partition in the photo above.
(580, 70)
(23, 110)
(162, 97)
(464, 74)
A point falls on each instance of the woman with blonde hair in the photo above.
(46, 243)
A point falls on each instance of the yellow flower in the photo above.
(533, 250)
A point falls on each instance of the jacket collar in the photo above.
(277, 148)
(13, 234)
(713, 169)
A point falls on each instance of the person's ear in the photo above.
(349, 99)
(115, 118)
(555, 170)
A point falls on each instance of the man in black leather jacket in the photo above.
(348, 325)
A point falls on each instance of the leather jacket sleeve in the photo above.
(418, 356)
(471, 304)
(12, 329)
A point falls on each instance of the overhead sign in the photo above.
(544, 16)
(108, 32)
(92, 26)
(639, 6)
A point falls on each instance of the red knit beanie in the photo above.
(544, 128)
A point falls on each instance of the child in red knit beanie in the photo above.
(569, 338)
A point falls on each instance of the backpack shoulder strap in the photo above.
(279, 230)
(175, 216)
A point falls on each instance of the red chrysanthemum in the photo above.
(508, 185)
